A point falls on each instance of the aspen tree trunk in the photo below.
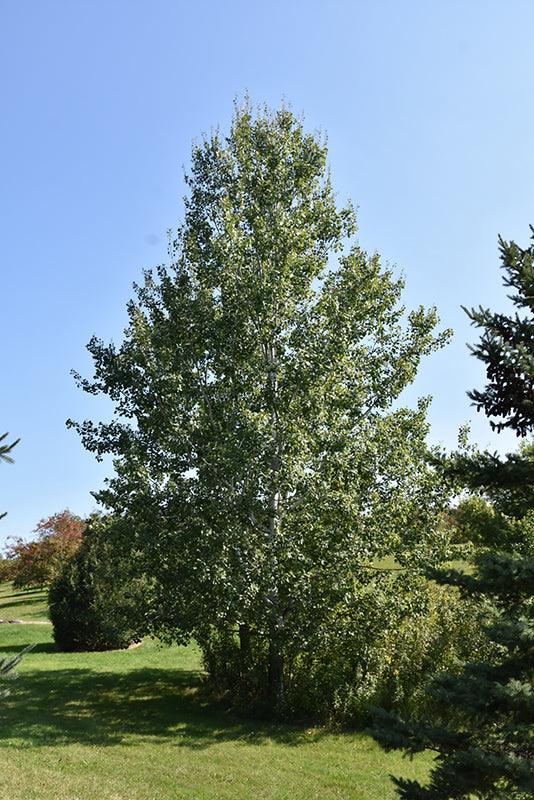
(245, 649)
(276, 662)
(277, 620)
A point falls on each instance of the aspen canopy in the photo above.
(261, 453)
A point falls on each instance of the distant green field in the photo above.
(132, 725)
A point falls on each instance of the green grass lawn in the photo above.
(29, 605)
(132, 725)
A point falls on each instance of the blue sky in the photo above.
(429, 115)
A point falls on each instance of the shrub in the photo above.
(95, 600)
(479, 522)
(236, 663)
(379, 646)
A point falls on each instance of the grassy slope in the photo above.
(131, 725)
(28, 605)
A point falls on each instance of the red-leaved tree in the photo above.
(35, 563)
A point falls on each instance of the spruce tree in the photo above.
(5, 449)
(482, 725)
(506, 347)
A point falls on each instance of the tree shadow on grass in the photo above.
(30, 592)
(37, 647)
(30, 635)
(85, 706)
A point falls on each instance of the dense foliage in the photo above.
(378, 645)
(483, 731)
(261, 455)
(37, 562)
(95, 598)
(478, 520)
(482, 724)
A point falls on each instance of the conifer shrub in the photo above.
(95, 602)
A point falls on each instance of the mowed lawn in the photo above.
(132, 725)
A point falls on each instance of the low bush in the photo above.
(379, 647)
